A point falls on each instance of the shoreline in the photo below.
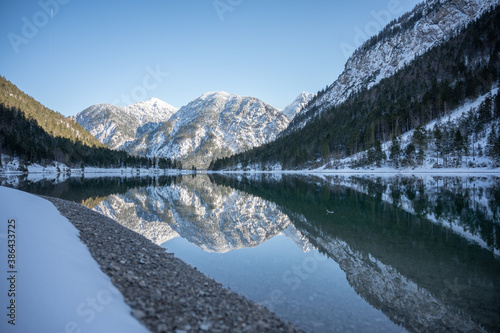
(450, 172)
(164, 293)
(113, 172)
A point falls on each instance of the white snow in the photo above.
(58, 285)
(10, 167)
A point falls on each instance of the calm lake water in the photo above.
(329, 253)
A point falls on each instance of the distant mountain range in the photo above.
(218, 125)
(215, 125)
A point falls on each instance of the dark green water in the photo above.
(330, 253)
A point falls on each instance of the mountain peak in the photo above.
(115, 125)
(153, 102)
(216, 95)
(298, 104)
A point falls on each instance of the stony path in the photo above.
(165, 293)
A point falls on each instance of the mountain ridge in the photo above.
(115, 125)
(214, 125)
(292, 109)
(427, 25)
(430, 87)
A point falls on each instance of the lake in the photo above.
(329, 253)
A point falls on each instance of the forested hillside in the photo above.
(52, 122)
(428, 88)
(35, 134)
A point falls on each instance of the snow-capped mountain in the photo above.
(114, 125)
(427, 25)
(298, 104)
(217, 124)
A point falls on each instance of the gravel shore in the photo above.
(165, 293)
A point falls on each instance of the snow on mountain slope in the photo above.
(297, 105)
(426, 26)
(217, 124)
(114, 126)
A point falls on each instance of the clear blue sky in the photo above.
(92, 52)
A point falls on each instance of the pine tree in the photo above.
(438, 142)
(419, 139)
(458, 144)
(496, 149)
(325, 150)
(484, 111)
(395, 154)
(493, 146)
(379, 154)
(409, 154)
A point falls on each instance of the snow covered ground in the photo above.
(427, 166)
(53, 285)
(10, 166)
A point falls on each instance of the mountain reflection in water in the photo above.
(422, 250)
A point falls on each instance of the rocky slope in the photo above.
(413, 34)
(114, 125)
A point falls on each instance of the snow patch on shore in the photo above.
(57, 285)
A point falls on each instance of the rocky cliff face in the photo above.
(413, 34)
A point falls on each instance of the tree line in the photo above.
(50, 121)
(25, 139)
